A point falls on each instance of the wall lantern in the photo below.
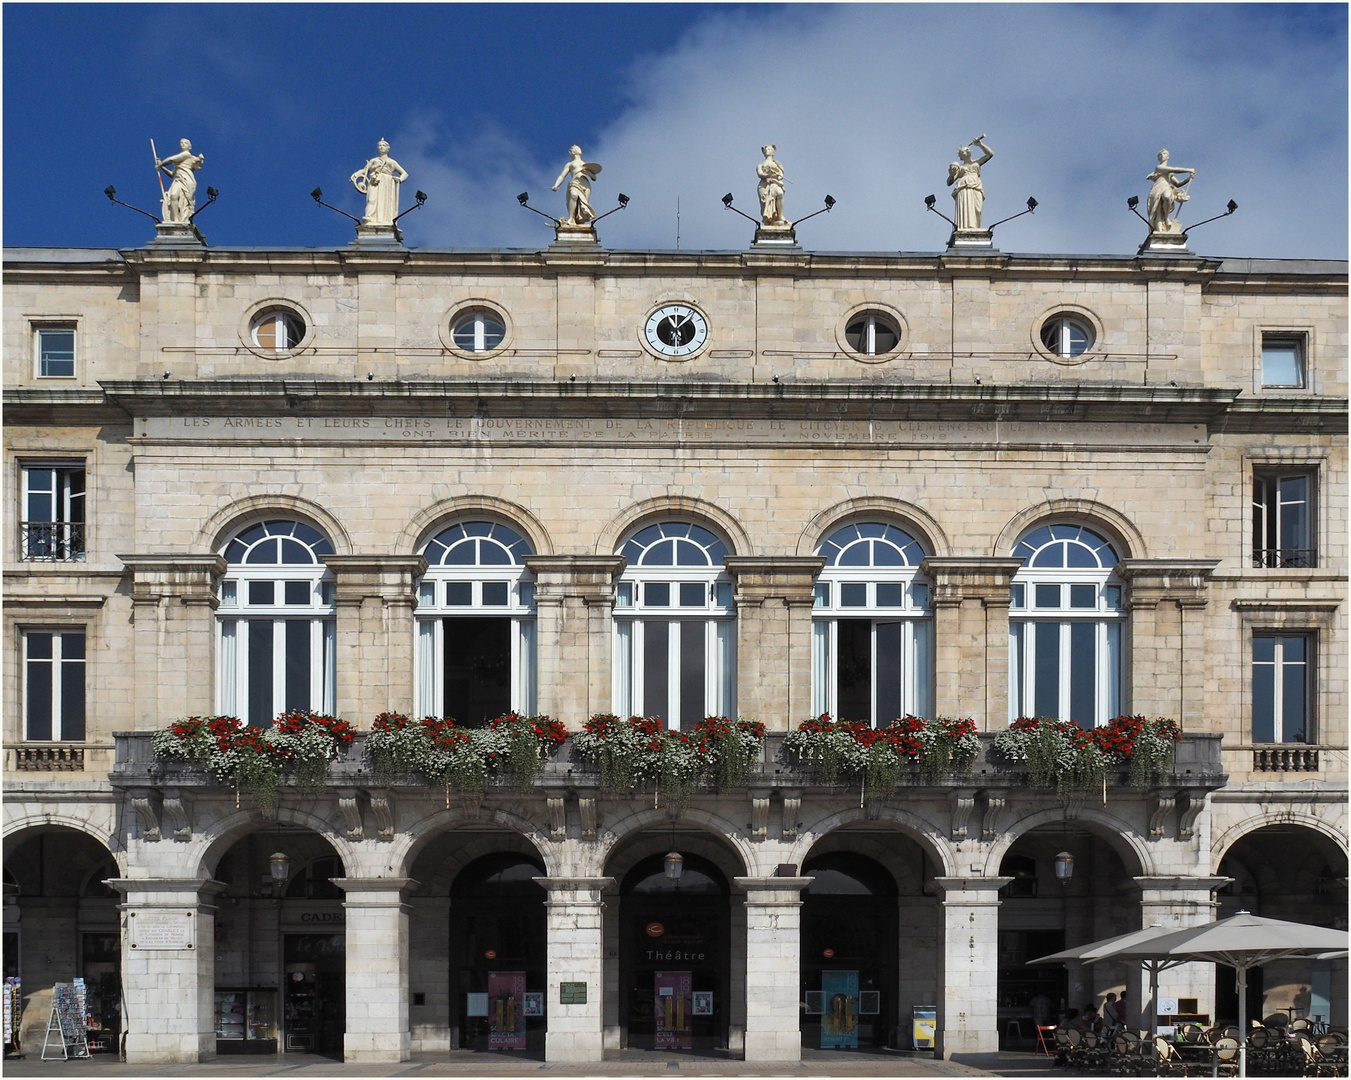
(1064, 867)
(675, 865)
(279, 866)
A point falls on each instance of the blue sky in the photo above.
(866, 102)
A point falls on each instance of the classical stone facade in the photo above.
(969, 485)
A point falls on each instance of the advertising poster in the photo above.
(674, 1006)
(506, 1010)
(839, 1014)
(534, 1003)
(703, 1003)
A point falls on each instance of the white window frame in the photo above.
(1265, 508)
(58, 634)
(869, 346)
(58, 326)
(478, 315)
(64, 503)
(1028, 621)
(278, 316)
(236, 614)
(1300, 339)
(1064, 324)
(1278, 666)
(714, 619)
(434, 607)
(914, 614)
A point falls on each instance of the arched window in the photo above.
(275, 623)
(1066, 627)
(476, 624)
(675, 626)
(314, 881)
(872, 631)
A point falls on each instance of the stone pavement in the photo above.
(501, 1066)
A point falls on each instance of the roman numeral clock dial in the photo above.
(676, 330)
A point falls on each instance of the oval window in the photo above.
(1065, 335)
(278, 330)
(478, 330)
(872, 334)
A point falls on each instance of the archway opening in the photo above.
(1041, 912)
(1294, 873)
(61, 924)
(281, 958)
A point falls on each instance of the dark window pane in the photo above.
(1046, 669)
(39, 690)
(495, 593)
(1080, 558)
(1293, 678)
(72, 688)
(854, 669)
(1263, 703)
(1017, 595)
(72, 647)
(297, 664)
(1293, 648)
(1263, 649)
(39, 646)
(662, 554)
(297, 592)
(853, 594)
(884, 337)
(1048, 596)
(459, 593)
(1083, 596)
(491, 554)
(294, 553)
(40, 495)
(692, 658)
(692, 593)
(888, 594)
(462, 554)
(263, 554)
(1083, 674)
(688, 554)
(478, 669)
(657, 594)
(888, 672)
(260, 712)
(262, 592)
(656, 665)
(856, 555)
(886, 555)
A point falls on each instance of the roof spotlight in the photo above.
(523, 197)
(830, 201)
(623, 199)
(929, 201)
(317, 194)
(727, 200)
(421, 197)
(1133, 201)
(1031, 204)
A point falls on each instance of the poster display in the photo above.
(534, 1003)
(506, 1010)
(13, 1008)
(673, 1004)
(839, 1014)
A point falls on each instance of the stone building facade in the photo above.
(964, 484)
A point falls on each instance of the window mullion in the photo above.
(278, 668)
(673, 673)
(1066, 682)
(1278, 690)
(58, 712)
(317, 665)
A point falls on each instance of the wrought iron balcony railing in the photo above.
(51, 541)
(1285, 558)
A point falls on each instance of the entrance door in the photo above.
(314, 997)
(675, 956)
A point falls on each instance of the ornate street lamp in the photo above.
(279, 866)
(1064, 867)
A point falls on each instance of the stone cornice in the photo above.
(961, 578)
(156, 576)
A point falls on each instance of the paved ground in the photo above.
(502, 1066)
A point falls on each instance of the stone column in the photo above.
(168, 969)
(774, 598)
(971, 637)
(1166, 599)
(377, 969)
(1177, 903)
(773, 967)
(375, 597)
(968, 1015)
(576, 948)
(173, 600)
(574, 597)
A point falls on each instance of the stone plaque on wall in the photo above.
(572, 993)
(160, 929)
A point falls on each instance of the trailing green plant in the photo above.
(853, 750)
(1146, 746)
(512, 746)
(1062, 755)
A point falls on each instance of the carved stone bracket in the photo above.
(349, 807)
(792, 808)
(558, 817)
(177, 807)
(1163, 801)
(963, 802)
(759, 815)
(146, 803)
(382, 809)
(994, 806)
(586, 810)
(1186, 824)
(1074, 804)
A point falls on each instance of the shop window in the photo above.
(1282, 667)
(52, 528)
(675, 626)
(1283, 361)
(55, 348)
(54, 685)
(1282, 518)
(275, 623)
(476, 624)
(872, 628)
(1066, 627)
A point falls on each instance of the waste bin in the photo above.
(923, 1025)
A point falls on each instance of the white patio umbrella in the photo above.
(1242, 941)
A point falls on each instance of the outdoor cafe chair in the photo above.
(1226, 1055)
(1168, 1062)
(1046, 1039)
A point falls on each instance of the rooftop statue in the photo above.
(379, 181)
(578, 174)
(967, 192)
(1166, 196)
(770, 189)
(180, 200)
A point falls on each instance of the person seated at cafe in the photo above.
(1089, 1020)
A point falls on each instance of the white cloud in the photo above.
(869, 103)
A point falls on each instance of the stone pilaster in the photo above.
(1177, 903)
(1166, 599)
(173, 600)
(169, 968)
(375, 597)
(574, 599)
(576, 950)
(377, 969)
(971, 637)
(774, 600)
(968, 1015)
(773, 966)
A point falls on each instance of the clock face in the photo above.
(676, 330)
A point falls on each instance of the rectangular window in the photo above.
(56, 352)
(1066, 670)
(1283, 360)
(872, 670)
(1283, 518)
(679, 670)
(272, 665)
(54, 686)
(1281, 672)
(53, 527)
